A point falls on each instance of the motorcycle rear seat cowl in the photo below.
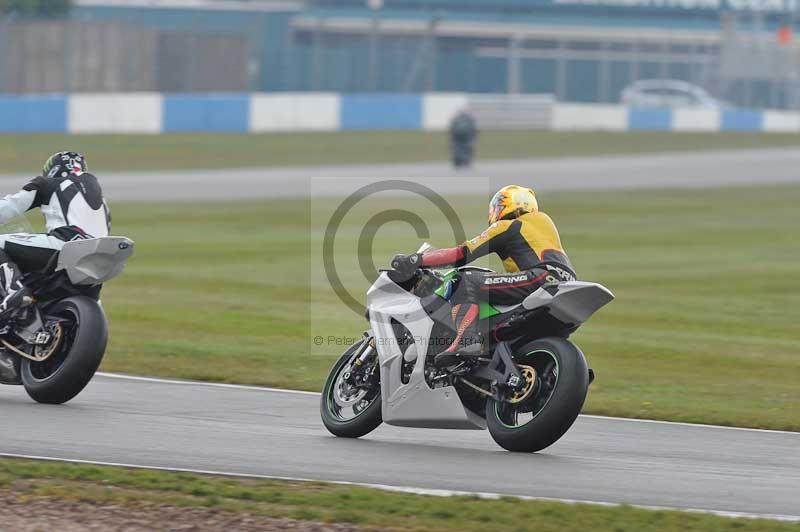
(94, 260)
(572, 302)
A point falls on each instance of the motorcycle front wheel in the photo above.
(552, 403)
(350, 410)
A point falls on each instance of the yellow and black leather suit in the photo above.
(530, 249)
(522, 243)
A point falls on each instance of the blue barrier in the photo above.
(210, 112)
(381, 111)
(232, 113)
(649, 119)
(33, 114)
(741, 120)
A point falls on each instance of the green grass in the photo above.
(26, 153)
(704, 328)
(367, 508)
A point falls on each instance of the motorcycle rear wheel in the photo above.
(554, 403)
(366, 409)
(67, 372)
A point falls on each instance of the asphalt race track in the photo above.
(666, 170)
(254, 431)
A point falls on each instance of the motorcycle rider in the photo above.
(463, 133)
(527, 241)
(73, 206)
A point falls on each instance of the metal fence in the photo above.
(40, 56)
(748, 68)
(512, 111)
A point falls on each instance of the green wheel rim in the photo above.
(499, 415)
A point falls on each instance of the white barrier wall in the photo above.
(781, 121)
(589, 116)
(438, 109)
(293, 112)
(118, 113)
(260, 112)
(688, 119)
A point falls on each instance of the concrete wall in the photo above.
(263, 112)
(380, 111)
(568, 116)
(33, 114)
(115, 113)
(439, 108)
(294, 112)
(695, 119)
(228, 113)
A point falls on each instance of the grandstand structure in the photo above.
(742, 51)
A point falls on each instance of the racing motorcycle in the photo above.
(54, 346)
(527, 387)
(462, 152)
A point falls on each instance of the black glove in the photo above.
(406, 265)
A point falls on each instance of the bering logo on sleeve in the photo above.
(504, 280)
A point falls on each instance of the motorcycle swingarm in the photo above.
(501, 371)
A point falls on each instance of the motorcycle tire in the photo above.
(365, 422)
(561, 406)
(67, 372)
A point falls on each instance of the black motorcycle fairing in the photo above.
(439, 310)
(56, 285)
(523, 324)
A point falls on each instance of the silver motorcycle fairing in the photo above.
(571, 302)
(95, 260)
(414, 404)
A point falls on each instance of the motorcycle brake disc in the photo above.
(44, 352)
(522, 393)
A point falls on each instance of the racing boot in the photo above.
(18, 298)
(15, 295)
(468, 341)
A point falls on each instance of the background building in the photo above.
(741, 51)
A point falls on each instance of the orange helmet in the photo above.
(512, 201)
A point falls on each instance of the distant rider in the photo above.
(527, 241)
(73, 206)
(463, 133)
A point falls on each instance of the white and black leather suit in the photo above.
(73, 207)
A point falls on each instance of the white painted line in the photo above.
(685, 424)
(304, 392)
(409, 489)
(202, 383)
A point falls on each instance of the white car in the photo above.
(667, 93)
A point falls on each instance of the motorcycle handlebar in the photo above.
(387, 270)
